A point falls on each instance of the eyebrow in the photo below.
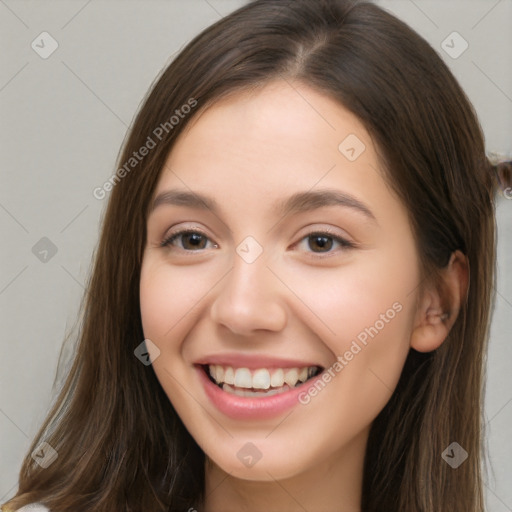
(296, 203)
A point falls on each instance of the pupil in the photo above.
(322, 241)
(194, 239)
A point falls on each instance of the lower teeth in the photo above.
(247, 393)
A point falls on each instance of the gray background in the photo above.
(62, 121)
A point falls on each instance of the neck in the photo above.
(334, 484)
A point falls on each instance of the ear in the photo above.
(438, 308)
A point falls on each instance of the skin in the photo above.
(248, 151)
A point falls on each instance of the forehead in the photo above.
(279, 131)
(253, 148)
(279, 118)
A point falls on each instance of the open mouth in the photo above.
(262, 382)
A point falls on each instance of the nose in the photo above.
(249, 299)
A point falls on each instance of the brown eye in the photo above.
(322, 242)
(193, 241)
(190, 240)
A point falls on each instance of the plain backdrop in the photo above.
(62, 121)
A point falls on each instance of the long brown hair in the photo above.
(120, 444)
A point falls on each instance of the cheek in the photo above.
(369, 316)
(168, 297)
(169, 304)
(364, 314)
(367, 291)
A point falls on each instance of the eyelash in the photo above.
(345, 244)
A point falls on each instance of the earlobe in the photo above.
(439, 308)
(431, 331)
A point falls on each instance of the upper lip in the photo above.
(254, 361)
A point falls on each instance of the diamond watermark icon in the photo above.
(44, 45)
(44, 250)
(454, 45)
(147, 352)
(454, 455)
(249, 454)
(44, 455)
(351, 147)
(249, 249)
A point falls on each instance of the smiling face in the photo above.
(285, 288)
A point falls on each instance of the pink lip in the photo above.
(242, 408)
(253, 362)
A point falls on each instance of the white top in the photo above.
(33, 507)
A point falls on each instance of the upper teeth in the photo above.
(260, 378)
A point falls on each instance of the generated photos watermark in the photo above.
(152, 140)
(357, 345)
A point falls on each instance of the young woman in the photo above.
(291, 296)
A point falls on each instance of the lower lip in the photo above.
(239, 407)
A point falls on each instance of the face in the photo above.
(278, 282)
